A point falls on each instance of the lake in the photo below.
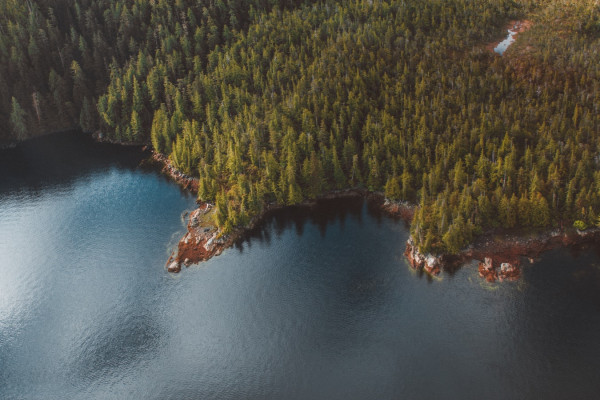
(313, 304)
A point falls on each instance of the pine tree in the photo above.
(222, 210)
(294, 194)
(392, 189)
(338, 174)
(136, 125)
(87, 118)
(17, 120)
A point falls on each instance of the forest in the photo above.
(272, 101)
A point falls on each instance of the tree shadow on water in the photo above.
(322, 214)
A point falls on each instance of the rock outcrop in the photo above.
(507, 271)
(174, 267)
(202, 240)
(487, 271)
(187, 182)
(432, 264)
(400, 209)
(502, 253)
(428, 262)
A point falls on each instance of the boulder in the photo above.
(509, 271)
(209, 243)
(506, 267)
(432, 264)
(487, 263)
(174, 267)
(486, 270)
(418, 258)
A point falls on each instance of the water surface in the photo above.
(314, 304)
(510, 39)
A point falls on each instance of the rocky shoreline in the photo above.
(200, 243)
(399, 209)
(500, 255)
(185, 181)
(203, 240)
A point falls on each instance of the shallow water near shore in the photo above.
(313, 304)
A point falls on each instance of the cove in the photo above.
(312, 304)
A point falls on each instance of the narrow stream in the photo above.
(510, 38)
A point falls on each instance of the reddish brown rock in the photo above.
(487, 271)
(510, 248)
(488, 264)
(432, 265)
(400, 209)
(174, 267)
(185, 181)
(429, 263)
(509, 271)
(201, 241)
(415, 258)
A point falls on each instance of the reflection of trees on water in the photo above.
(322, 214)
(61, 159)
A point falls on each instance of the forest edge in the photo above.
(499, 252)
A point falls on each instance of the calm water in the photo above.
(503, 45)
(313, 305)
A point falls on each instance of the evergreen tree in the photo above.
(17, 120)
(392, 189)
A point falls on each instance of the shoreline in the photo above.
(499, 252)
(185, 181)
(203, 239)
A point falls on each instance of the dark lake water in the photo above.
(314, 304)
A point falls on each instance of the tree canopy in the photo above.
(278, 101)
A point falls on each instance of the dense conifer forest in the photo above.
(278, 101)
